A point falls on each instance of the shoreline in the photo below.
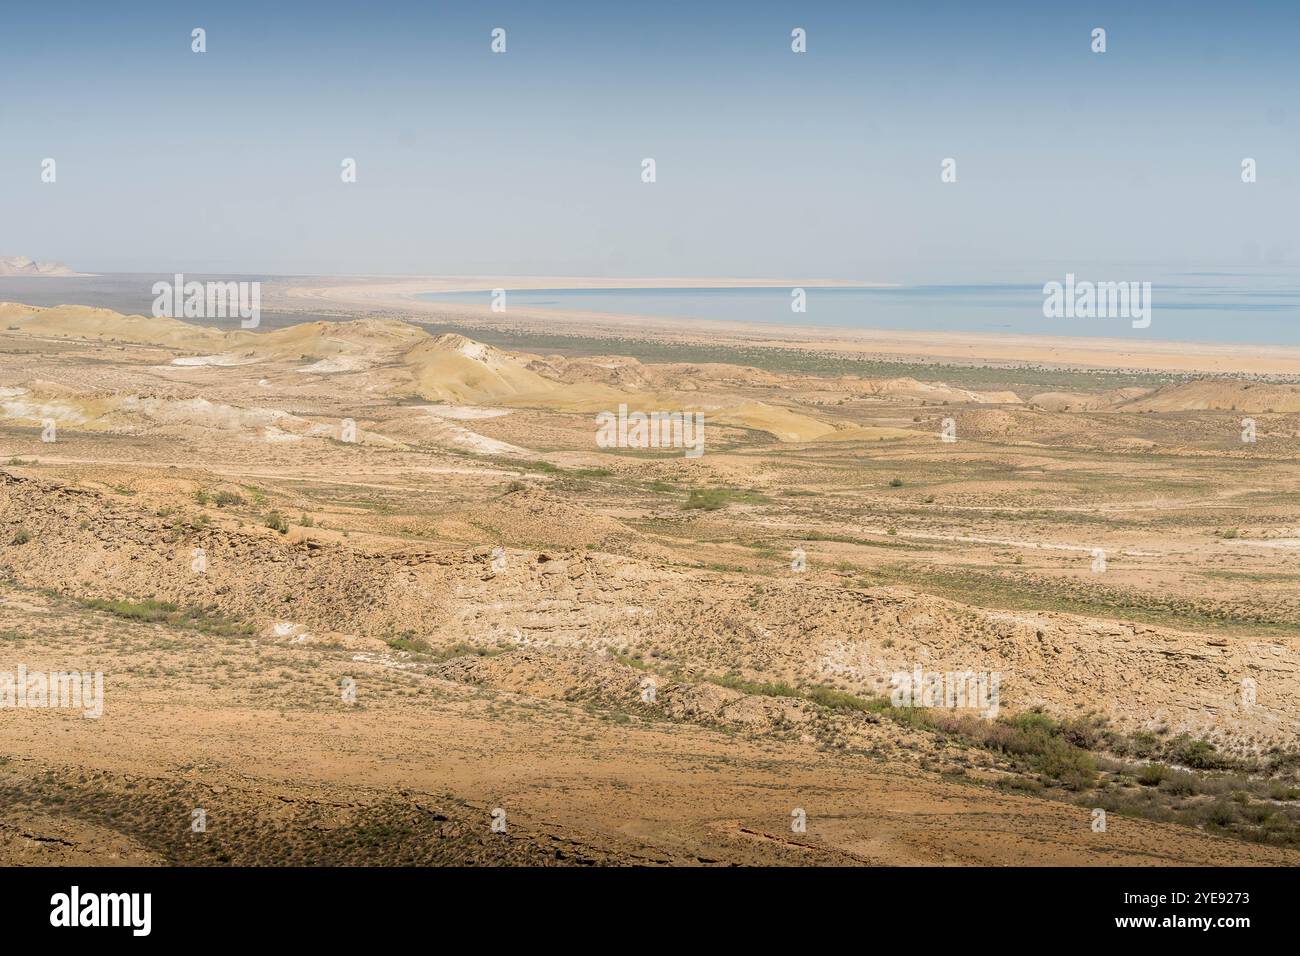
(400, 295)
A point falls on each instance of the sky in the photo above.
(768, 163)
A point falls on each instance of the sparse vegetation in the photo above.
(761, 688)
(612, 564)
(411, 645)
(204, 620)
(840, 700)
(712, 499)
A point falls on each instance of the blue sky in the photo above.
(769, 163)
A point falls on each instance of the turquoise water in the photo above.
(1190, 307)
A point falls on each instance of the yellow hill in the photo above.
(84, 322)
(452, 368)
(1222, 395)
(447, 368)
(781, 423)
(1086, 401)
(371, 340)
(912, 390)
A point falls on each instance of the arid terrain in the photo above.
(360, 589)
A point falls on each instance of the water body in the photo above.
(1187, 307)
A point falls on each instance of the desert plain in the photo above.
(367, 590)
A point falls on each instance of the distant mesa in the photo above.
(22, 266)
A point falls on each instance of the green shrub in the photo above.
(1152, 774)
(706, 499)
(1071, 767)
(1143, 743)
(413, 645)
(1198, 754)
(840, 700)
(205, 620)
(1181, 783)
(1221, 814)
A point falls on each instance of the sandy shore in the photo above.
(399, 294)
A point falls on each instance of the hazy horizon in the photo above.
(824, 164)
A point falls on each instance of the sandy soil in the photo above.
(432, 518)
